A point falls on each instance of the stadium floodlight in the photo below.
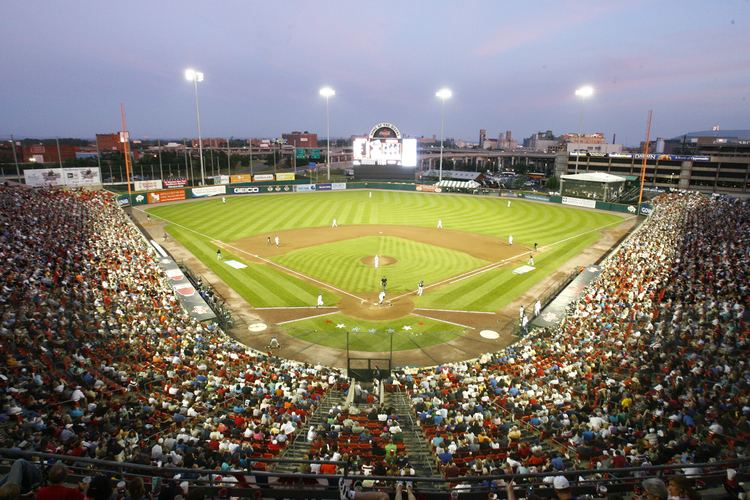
(194, 76)
(328, 92)
(584, 93)
(442, 94)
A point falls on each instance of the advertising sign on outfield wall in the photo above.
(324, 187)
(165, 196)
(537, 197)
(74, 177)
(263, 177)
(285, 176)
(208, 191)
(147, 185)
(234, 179)
(578, 202)
(338, 186)
(245, 190)
(177, 182)
(304, 188)
(427, 188)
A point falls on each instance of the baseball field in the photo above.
(468, 267)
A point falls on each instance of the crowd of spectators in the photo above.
(100, 360)
(649, 366)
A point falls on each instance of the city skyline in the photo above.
(69, 67)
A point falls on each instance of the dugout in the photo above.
(593, 186)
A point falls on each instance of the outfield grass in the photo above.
(365, 335)
(242, 216)
(340, 263)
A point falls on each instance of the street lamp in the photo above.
(584, 93)
(443, 94)
(196, 76)
(328, 92)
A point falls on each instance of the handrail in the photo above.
(742, 464)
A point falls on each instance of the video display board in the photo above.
(385, 146)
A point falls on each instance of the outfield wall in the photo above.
(299, 186)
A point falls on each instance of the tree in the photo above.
(553, 183)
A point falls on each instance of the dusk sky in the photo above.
(67, 66)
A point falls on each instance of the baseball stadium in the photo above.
(266, 289)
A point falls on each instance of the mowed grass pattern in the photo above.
(527, 221)
(374, 335)
(341, 263)
(259, 284)
(196, 223)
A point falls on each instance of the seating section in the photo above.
(648, 367)
(101, 361)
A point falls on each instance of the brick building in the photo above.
(47, 153)
(301, 139)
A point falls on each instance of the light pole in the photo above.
(584, 93)
(443, 94)
(195, 77)
(328, 92)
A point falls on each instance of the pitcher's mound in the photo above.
(384, 260)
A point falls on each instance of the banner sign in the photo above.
(427, 188)
(208, 191)
(234, 179)
(578, 202)
(245, 190)
(324, 187)
(123, 201)
(263, 177)
(646, 209)
(658, 156)
(537, 197)
(188, 296)
(285, 176)
(147, 185)
(338, 186)
(177, 182)
(304, 188)
(165, 196)
(140, 199)
(74, 177)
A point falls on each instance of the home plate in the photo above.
(489, 334)
(257, 327)
(235, 264)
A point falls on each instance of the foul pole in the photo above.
(645, 157)
(126, 146)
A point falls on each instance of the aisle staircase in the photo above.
(299, 447)
(418, 449)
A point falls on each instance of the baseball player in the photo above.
(537, 307)
(218, 254)
(381, 297)
(510, 240)
(440, 224)
(320, 300)
(420, 288)
(277, 240)
(334, 223)
(376, 262)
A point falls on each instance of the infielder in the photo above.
(440, 224)
(277, 240)
(381, 297)
(376, 262)
(320, 300)
(510, 240)
(218, 254)
(420, 288)
(334, 223)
